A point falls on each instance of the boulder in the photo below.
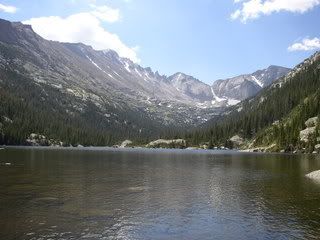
(192, 148)
(317, 148)
(314, 175)
(7, 120)
(275, 123)
(167, 143)
(304, 134)
(33, 136)
(35, 139)
(204, 146)
(311, 122)
(125, 143)
(237, 140)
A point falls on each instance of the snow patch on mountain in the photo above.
(179, 76)
(257, 81)
(216, 98)
(137, 71)
(111, 76)
(232, 102)
(126, 66)
(96, 65)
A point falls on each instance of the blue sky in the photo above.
(208, 39)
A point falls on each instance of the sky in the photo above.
(208, 39)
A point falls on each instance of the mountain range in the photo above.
(98, 91)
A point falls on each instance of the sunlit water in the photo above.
(153, 194)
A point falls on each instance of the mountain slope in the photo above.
(83, 93)
(276, 115)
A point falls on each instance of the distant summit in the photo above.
(238, 88)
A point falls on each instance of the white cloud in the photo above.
(86, 28)
(105, 13)
(252, 9)
(7, 8)
(306, 45)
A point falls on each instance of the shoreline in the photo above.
(111, 148)
(106, 148)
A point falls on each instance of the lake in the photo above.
(156, 194)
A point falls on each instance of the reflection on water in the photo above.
(147, 194)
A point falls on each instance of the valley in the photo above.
(68, 94)
(85, 94)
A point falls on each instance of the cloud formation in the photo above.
(252, 9)
(85, 27)
(305, 45)
(105, 13)
(7, 8)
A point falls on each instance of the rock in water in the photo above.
(314, 175)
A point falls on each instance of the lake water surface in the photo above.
(156, 194)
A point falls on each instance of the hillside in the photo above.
(275, 117)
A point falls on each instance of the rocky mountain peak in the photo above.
(247, 85)
(16, 32)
